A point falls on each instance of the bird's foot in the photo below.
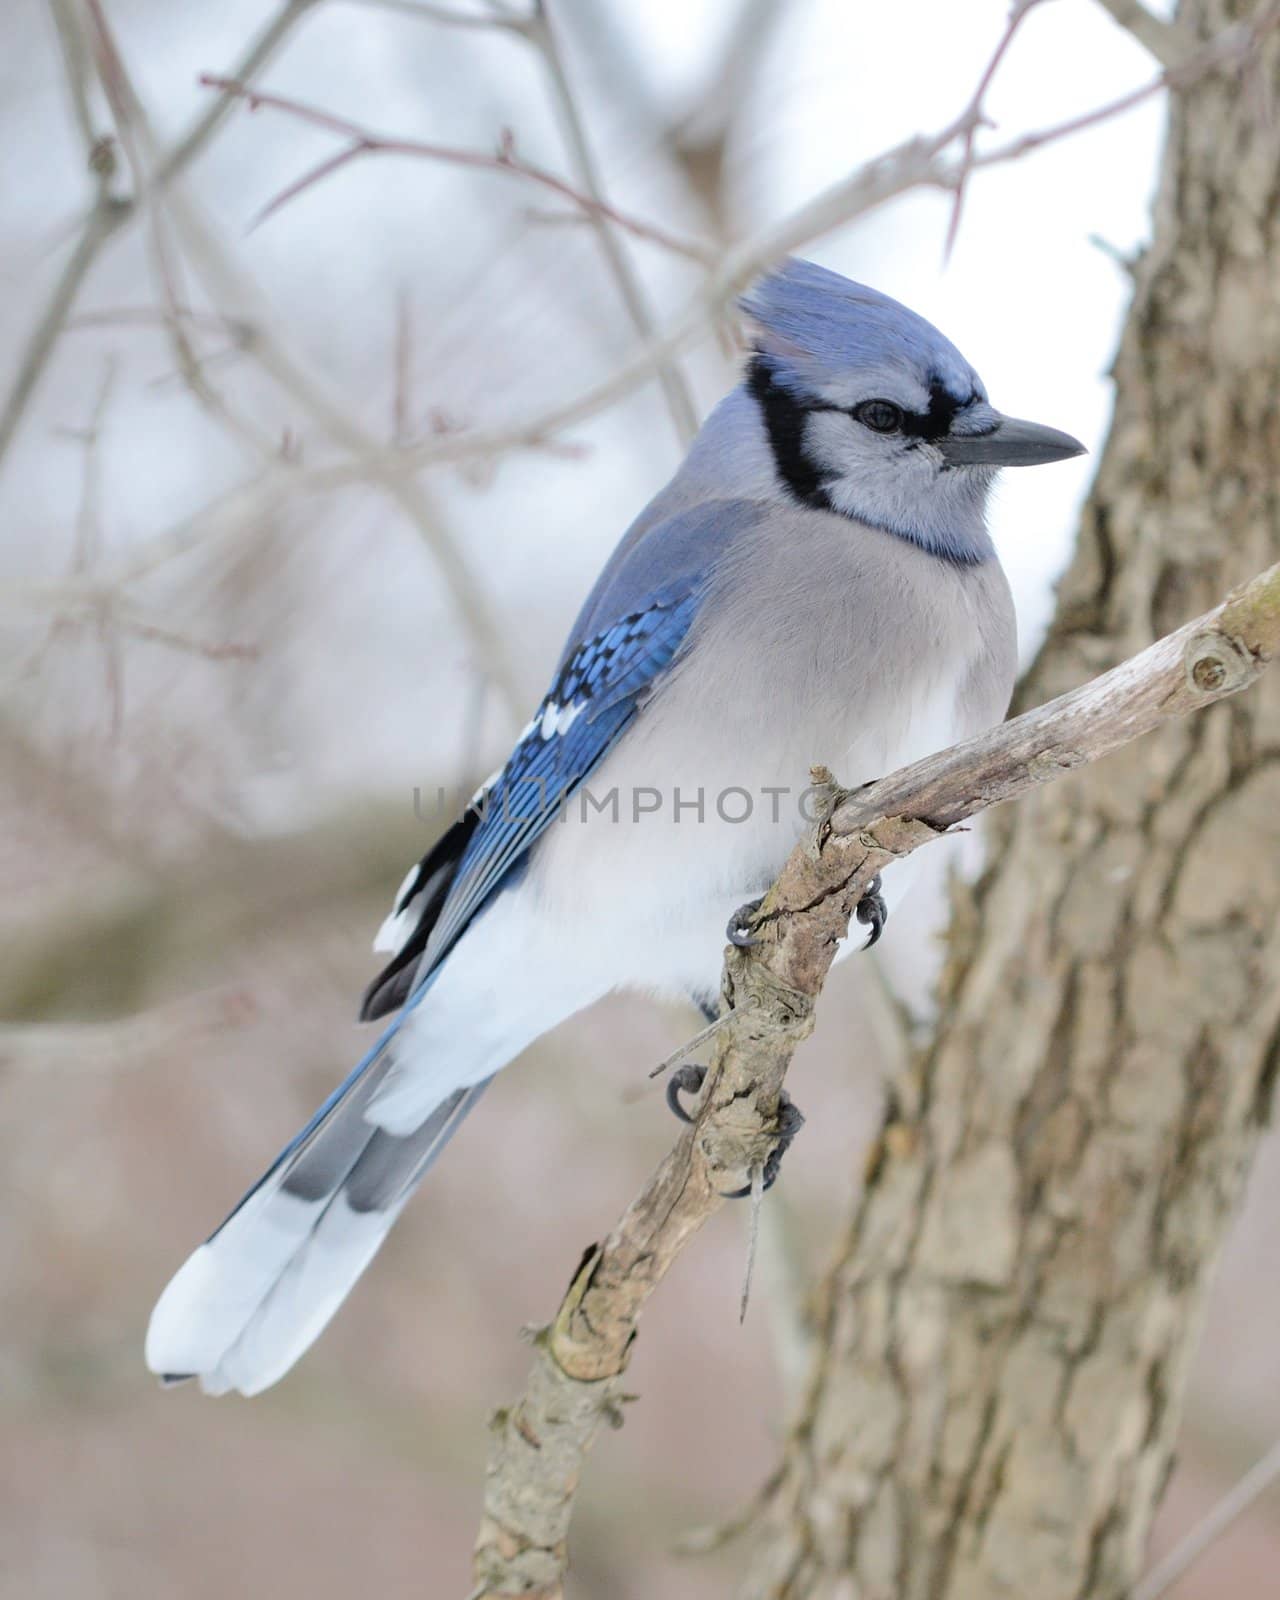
(872, 912)
(684, 1080)
(738, 932)
(689, 1080)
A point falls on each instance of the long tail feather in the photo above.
(259, 1291)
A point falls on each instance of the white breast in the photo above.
(845, 648)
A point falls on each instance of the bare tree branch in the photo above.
(974, 115)
(1233, 1505)
(374, 463)
(106, 216)
(261, 50)
(237, 333)
(1166, 41)
(363, 141)
(88, 542)
(135, 139)
(226, 284)
(254, 500)
(536, 1459)
(536, 27)
(122, 1042)
(449, 17)
(152, 923)
(679, 397)
(78, 74)
(915, 164)
(109, 215)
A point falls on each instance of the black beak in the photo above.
(1011, 443)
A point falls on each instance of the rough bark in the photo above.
(1004, 1340)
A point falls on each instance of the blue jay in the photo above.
(816, 583)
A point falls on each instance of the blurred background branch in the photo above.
(110, 213)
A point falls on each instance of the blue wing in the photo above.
(597, 691)
(629, 630)
(594, 697)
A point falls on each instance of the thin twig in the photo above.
(373, 461)
(690, 1045)
(535, 1468)
(402, 369)
(675, 386)
(227, 285)
(910, 165)
(447, 16)
(155, 316)
(702, 1541)
(974, 116)
(87, 548)
(132, 622)
(78, 74)
(1168, 42)
(753, 1238)
(699, 139)
(914, 164)
(364, 141)
(260, 51)
(135, 139)
(256, 500)
(1233, 47)
(1184, 1555)
(88, 540)
(108, 215)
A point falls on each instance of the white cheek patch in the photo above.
(882, 479)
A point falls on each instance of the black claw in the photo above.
(790, 1122)
(738, 931)
(684, 1080)
(689, 1080)
(872, 912)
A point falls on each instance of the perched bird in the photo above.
(816, 584)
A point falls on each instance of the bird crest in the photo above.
(817, 329)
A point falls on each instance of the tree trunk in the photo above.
(1003, 1343)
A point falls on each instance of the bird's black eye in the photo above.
(881, 416)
